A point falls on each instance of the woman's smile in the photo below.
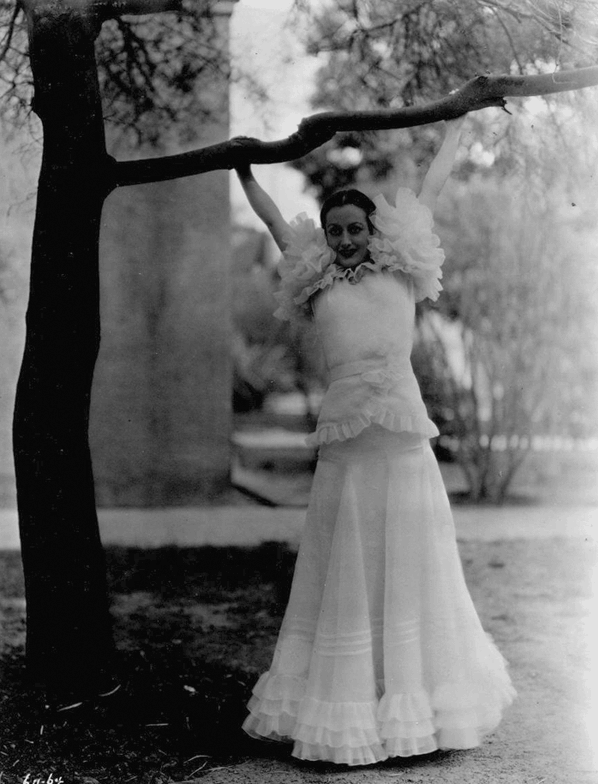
(347, 234)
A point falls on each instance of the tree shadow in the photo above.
(193, 627)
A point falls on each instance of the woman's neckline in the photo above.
(355, 274)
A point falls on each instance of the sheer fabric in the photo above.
(381, 652)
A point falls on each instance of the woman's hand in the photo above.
(238, 145)
(243, 170)
(242, 142)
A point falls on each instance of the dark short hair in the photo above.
(349, 196)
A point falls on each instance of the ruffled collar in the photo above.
(404, 240)
(375, 262)
(355, 274)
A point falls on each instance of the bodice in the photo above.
(369, 320)
(365, 317)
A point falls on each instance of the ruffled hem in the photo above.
(273, 706)
(327, 432)
(465, 715)
(354, 733)
(345, 733)
(406, 724)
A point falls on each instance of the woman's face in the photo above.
(347, 234)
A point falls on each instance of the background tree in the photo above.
(142, 74)
(270, 356)
(69, 644)
(507, 352)
(152, 69)
(380, 55)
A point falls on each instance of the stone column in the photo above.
(161, 413)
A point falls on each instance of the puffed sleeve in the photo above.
(405, 241)
(304, 267)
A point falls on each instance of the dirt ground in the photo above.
(535, 598)
(195, 626)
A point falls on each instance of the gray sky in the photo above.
(263, 44)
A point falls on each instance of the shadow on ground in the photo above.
(193, 627)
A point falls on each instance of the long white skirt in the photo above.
(381, 652)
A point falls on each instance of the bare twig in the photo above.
(111, 9)
(10, 31)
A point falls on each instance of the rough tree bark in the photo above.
(69, 642)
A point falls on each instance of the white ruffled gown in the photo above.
(381, 652)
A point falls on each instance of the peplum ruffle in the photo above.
(385, 393)
(328, 432)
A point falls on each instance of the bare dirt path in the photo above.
(536, 599)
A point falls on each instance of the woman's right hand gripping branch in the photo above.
(261, 203)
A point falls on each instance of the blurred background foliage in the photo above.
(156, 72)
(507, 357)
(270, 356)
(508, 354)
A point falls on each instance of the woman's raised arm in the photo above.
(441, 166)
(263, 206)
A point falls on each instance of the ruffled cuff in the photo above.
(406, 241)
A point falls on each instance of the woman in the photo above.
(381, 652)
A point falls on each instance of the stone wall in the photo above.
(19, 163)
(161, 408)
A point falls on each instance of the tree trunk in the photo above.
(69, 639)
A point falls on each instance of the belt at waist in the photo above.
(392, 364)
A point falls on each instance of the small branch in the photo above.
(10, 32)
(545, 84)
(479, 93)
(111, 9)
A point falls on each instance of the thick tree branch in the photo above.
(479, 93)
